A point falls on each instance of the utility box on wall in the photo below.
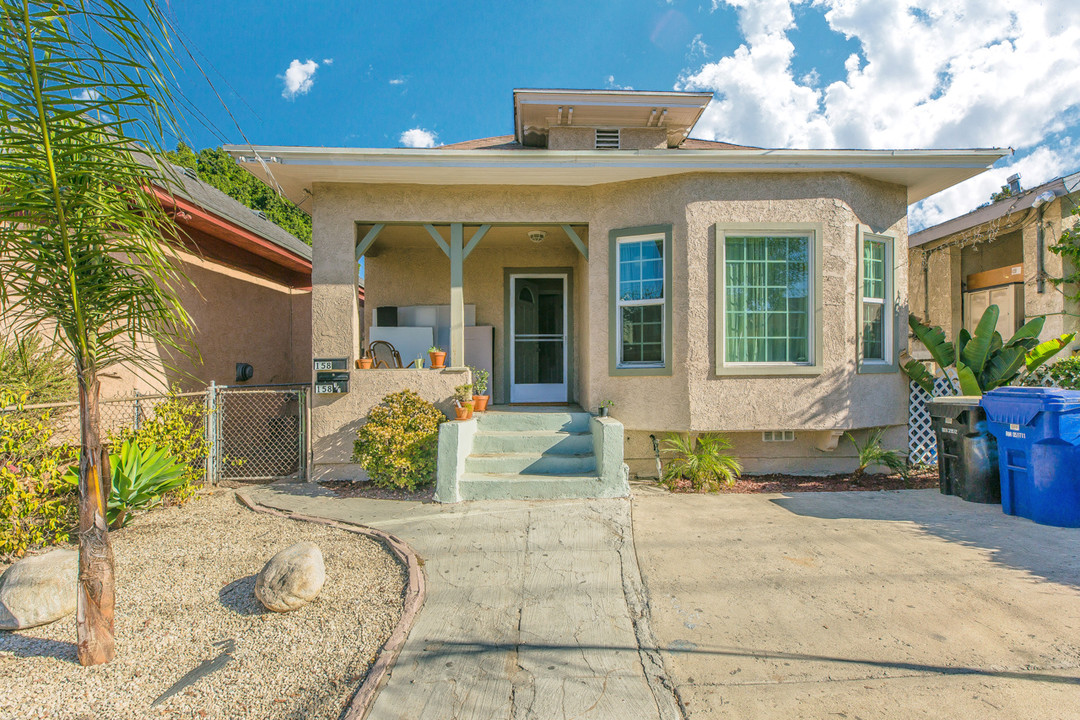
(1008, 298)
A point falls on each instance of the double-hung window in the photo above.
(768, 299)
(875, 311)
(641, 307)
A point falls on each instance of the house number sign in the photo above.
(331, 376)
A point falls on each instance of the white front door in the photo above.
(538, 343)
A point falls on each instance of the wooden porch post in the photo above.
(457, 297)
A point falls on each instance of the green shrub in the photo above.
(398, 445)
(1065, 373)
(41, 372)
(178, 426)
(702, 463)
(37, 508)
(141, 477)
(480, 380)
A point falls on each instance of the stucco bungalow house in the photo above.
(997, 254)
(601, 255)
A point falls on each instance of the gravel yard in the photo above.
(185, 579)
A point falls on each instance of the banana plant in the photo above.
(982, 361)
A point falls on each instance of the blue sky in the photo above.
(827, 73)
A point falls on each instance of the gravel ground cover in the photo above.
(185, 579)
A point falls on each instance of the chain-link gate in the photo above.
(257, 433)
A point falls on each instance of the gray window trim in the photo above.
(815, 231)
(891, 302)
(614, 369)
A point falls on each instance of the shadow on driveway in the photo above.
(1050, 553)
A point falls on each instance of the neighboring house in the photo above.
(997, 254)
(598, 254)
(249, 296)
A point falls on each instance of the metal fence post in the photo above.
(210, 425)
(136, 424)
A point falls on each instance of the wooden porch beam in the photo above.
(438, 238)
(457, 296)
(369, 238)
(576, 239)
(475, 240)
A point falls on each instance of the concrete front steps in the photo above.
(530, 454)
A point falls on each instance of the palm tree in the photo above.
(82, 82)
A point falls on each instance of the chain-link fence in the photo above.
(254, 433)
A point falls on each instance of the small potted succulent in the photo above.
(463, 404)
(438, 357)
(605, 408)
(479, 389)
(365, 361)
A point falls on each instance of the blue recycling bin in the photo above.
(1038, 437)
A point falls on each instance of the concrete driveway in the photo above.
(904, 604)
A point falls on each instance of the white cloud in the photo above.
(418, 138)
(610, 84)
(698, 47)
(397, 81)
(298, 78)
(928, 74)
(85, 95)
(328, 61)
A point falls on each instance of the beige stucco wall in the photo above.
(693, 397)
(571, 138)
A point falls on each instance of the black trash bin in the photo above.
(966, 451)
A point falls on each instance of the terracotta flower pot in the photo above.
(438, 360)
(468, 410)
(461, 413)
(480, 402)
(365, 363)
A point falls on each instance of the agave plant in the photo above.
(140, 479)
(702, 461)
(983, 361)
(872, 453)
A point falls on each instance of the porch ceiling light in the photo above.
(537, 236)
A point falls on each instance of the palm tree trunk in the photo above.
(94, 612)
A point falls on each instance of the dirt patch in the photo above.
(350, 489)
(828, 483)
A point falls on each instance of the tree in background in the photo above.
(218, 168)
(82, 83)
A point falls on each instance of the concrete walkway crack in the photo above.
(522, 683)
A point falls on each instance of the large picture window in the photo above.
(768, 299)
(875, 310)
(641, 309)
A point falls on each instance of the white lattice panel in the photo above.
(922, 444)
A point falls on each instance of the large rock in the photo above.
(292, 578)
(39, 589)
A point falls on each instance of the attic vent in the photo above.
(607, 139)
(191, 173)
(778, 436)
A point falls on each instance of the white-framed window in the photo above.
(768, 299)
(778, 436)
(876, 310)
(641, 300)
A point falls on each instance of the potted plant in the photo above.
(438, 357)
(605, 407)
(463, 404)
(479, 389)
(364, 363)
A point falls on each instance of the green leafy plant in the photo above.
(463, 393)
(1064, 373)
(702, 463)
(37, 508)
(1068, 247)
(434, 349)
(178, 425)
(607, 404)
(480, 381)
(43, 372)
(141, 477)
(871, 453)
(398, 445)
(983, 360)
